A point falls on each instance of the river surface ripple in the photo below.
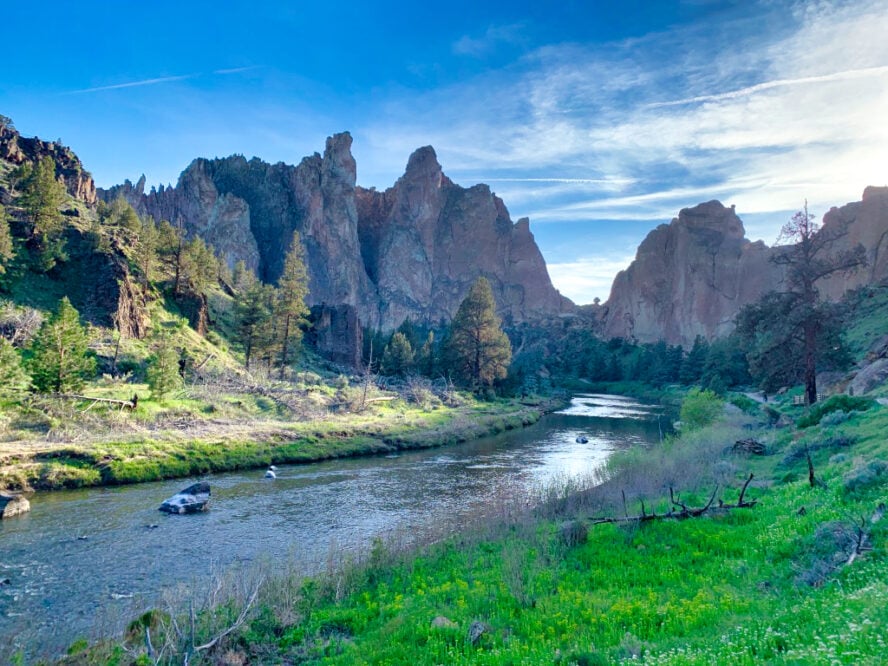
(82, 563)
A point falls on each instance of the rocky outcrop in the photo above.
(425, 240)
(337, 334)
(411, 251)
(13, 505)
(692, 276)
(17, 149)
(689, 278)
(102, 287)
(192, 499)
(866, 223)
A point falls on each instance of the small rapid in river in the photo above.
(83, 563)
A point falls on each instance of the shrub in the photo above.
(861, 479)
(700, 408)
(845, 403)
(746, 404)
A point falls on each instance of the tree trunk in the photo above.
(810, 363)
(286, 341)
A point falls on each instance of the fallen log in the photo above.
(685, 511)
(128, 404)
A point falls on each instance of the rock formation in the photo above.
(426, 239)
(411, 251)
(866, 222)
(689, 278)
(17, 149)
(692, 276)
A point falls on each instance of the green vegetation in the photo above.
(700, 408)
(59, 361)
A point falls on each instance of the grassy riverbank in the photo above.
(191, 439)
(796, 578)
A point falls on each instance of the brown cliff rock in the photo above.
(17, 149)
(689, 278)
(411, 251)
(866, 222)
(425, 240)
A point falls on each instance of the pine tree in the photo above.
(163, 369)
(397, 358)
(13, 378)
(252, 313)
(290, 305)
(425, 358)
(149, 240)
(60, 360)
(7, 251)
(41, 197)
(479, 352)
(796, 322)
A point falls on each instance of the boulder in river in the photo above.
(192, 499)
(13, 505)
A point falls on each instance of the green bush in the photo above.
(861, 479)
(700, 408)
(845, 403)
(746, 404)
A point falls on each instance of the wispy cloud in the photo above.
(493, 37)
(132, 84)
(770, 85)
(577, 181)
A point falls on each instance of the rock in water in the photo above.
(13, 505)
(191, 500)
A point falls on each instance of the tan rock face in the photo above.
(411, 251)
(867, 224)
(689, 278)
(692, 276)
(17, 149)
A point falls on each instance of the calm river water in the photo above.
(82, 563)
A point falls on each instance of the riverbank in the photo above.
(794, 577)
(201, 446)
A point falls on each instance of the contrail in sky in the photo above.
(132, 84)
(778, 83)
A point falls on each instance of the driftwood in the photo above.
(679, 509)
(123, 404)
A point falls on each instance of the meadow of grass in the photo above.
(796, 579)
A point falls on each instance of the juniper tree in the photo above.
(60, 359)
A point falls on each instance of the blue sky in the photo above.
(597, 119)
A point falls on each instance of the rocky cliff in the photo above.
(17, 149)
(411, 251)
(866, 223)
(690, 277)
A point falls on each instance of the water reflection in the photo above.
(75, 559)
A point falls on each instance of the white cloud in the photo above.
(586, 278)
(133, 84)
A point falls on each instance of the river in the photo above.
(82, 563)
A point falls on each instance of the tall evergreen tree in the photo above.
(13, 378)
(692, 365)
(7, 251)
(290, 305)
(60, 360)
(163, 368)
(397, 358)
(252, 314)
(42, 195)
(479, 352)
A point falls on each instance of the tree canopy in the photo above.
(60, 358)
